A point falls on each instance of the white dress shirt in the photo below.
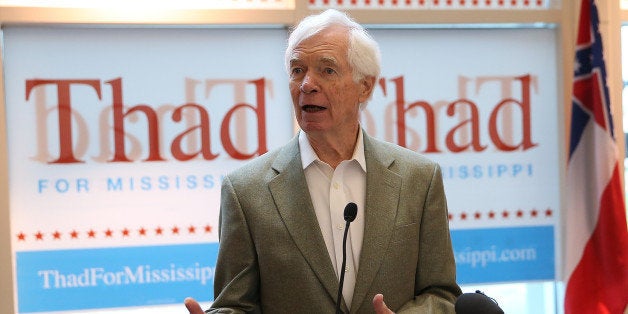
(331, 190)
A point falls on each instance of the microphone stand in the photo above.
(342, 270)
(350, 212)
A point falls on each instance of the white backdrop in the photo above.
(136, 224)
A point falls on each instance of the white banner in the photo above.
(483, 103)
(119, 138)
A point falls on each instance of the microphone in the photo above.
(475, 303)
(351, 211)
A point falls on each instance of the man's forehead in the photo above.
(323, 58)
(323, 53)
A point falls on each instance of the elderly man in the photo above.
(281, 225)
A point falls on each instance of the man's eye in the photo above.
(329, 71)
(297, 70)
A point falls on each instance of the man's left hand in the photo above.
(379, 305)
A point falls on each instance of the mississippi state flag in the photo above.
(596, 243)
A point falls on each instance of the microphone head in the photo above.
(351, 210)
(475, 303)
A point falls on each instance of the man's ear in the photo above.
(367, 84)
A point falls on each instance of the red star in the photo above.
(56, 235)
(534, 213)
(477, 215)
(519, 213)
(491, 214)
(125, 232)
(108, 233)
(191, 229)
(91, 234)
(39, 236)
(175, 230)
(142, 231)
(548, 212)
(21, 236)
(463, 216)
(505, 214)
(74, 234)
(208, 229)
(451, 216)
(159, 231)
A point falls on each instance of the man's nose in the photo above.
(309, 84)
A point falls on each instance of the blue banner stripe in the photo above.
(64, 280)
(82, 279)
(504, 254)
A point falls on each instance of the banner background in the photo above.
(142, 205)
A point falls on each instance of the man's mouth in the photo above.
(312, 108)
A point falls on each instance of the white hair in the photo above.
(363, 52)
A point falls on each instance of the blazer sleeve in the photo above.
(436, 289)
(236, 285)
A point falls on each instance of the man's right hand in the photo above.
(193, 306)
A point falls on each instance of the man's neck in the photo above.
(333, 149)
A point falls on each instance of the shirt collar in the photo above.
(308, 155)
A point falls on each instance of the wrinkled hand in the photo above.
(193, 306)
(379, 305)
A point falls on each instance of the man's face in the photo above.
(324, 95)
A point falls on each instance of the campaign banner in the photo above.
(118, 139)
(484, 104)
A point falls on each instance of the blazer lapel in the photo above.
(292, 198)
(382, 197)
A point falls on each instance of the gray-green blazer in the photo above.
(273, 259)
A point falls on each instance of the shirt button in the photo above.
(340, 227)
(335, 185)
